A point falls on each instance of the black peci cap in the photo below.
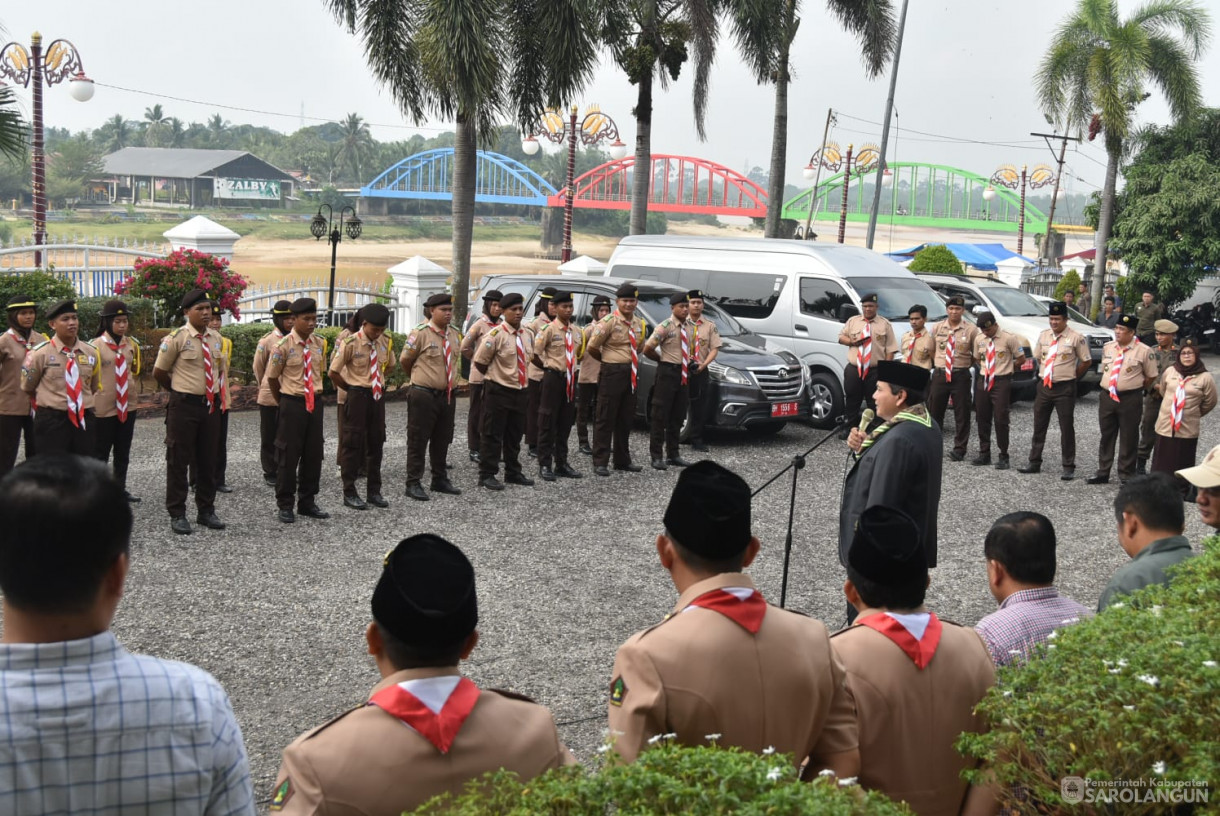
(62, 308)
(627, 290)
(216, 307)
(709, 511)
(678, 297)
(439, 299)
(302, 306)
(492, 296)
(869, 297)
(986, 320)
(956, 300)
(903, 375)
(1127, 321)
(376, 314)
(193, 297)
(561, 297)
(113, 308)
(1058, 309)
(426, 594)
(21, 302)
(510, 300)
(887, 547)
(696, 294)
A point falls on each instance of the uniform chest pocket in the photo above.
(190, 352)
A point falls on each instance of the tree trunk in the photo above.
(1105, 222)
(779, 133)
(464, 172)
(641, 178)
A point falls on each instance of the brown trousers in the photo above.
(430, 416)
(12, 428)
(1061, 398)
(298, 445)
(993, 405)
(192, 436)
(615, 413)
(533, 398)
(555, 419)
(669, 403)
(856, 390)
(363, 437)
(938, 401)
(474, 419)
(586, 402)
(1119, 420)
(1151, 409)
(503, 424)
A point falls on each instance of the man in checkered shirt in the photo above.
(86, 726)
(1020, 552)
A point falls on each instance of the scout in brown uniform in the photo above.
(671, 345)
(1164, 353)
(62, 375)
(470, 343)
(951, 377)
(869, 339)
(223, 404)
(544, 312)
(997, 354)
(721, 667)
(187, 366)
(590, 370)
(114, 406)
(16, 411)
(555, 350)
(503, 359)
(268, 410)
(918, 347)
(297, 387)
(616, 341)
(1190, 395)
(915, 679)
(430, 359)
(1147, 313)
(706, 348)
(1127, 371)
(424, 729)
(351, 327)
(1063, 357)
(358, 366)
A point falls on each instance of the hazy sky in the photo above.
(966, 73)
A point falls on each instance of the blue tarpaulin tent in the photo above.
(980, 256)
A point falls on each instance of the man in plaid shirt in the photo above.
(1020, 552)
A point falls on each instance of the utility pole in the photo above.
(1045, 251)
(813, 194)
(885, 131)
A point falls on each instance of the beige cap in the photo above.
(1165, 326)
(1206, 474)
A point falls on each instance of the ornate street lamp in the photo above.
(325, 226)
(1007, 176)
(594, 128)
(865, 161)
(32, 67)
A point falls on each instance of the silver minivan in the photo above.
(797, 294)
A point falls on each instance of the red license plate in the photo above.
(784, 409)
(1028, 365)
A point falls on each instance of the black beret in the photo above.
(887, 547)
(918, 308)
(1058, 309)
(1127, 321)
(192, 297)
(439, 299)
(282, 307)
(376, 314)
(678, 297)
(870, 297)
(302, 306)
(601, 300)
(216, 307)
(709, 511)
(696, 294)
(1188, 343)
(986, 320)
(113, 308)
(627, 290)
(561, 297)
(511, 299)
(21, 302)
(63, 307)
(426, 595)
(956, 300)
(903, 375)
(492, 295)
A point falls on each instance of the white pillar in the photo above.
(413, 282)
(203, 235)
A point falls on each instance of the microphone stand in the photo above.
(796, 465)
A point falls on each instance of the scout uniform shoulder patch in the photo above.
(282, 794)
(174, 333)
(618, 690)
(608, 318)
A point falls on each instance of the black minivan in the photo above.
(755, 385)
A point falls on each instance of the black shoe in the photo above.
(955, 456)
(1099, 478)
(1032, 467)
(210, 521)
(629, 468)
(568, 472)
(657, 464)
(1070, 473)
(519, 479)
(533, 451)
(130, 498)
(981, 459)
(416, 491)
(1141, 467)
(1002, 463)
(699, 446)
(678, 461)
(474, 456)
(445, 486)
(223, 488)
(546, 473)
(585, 449)
(491, 483)
(269, 479)
(355, 502)
(313, 512)
(287, 517)
(376, 500)
(602, 470)
(180, 525)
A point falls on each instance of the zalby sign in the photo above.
(248, 188)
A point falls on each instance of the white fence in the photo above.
(93, 268)
(256, 302)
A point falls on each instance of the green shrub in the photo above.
(1132, 694)
(667, 779)
(39, 286)
(245, 340)
(937, 260)
(1070, 282)
(88, 309)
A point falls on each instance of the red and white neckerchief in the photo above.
(209, 376)
(635, 359)
(307, 376)
(950, 348)
(1116, 368)
(522, 370)
(375, 373)
(447, 351)
(569, 358)
(865, 357)
(920, 650)
(1179, 403)
(1048, 363)
(74, 392)
(989, 365)
(685, 351)
(742, 605)
(120, 378)
(439, 722)
(911, 348)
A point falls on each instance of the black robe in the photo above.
(902, 470)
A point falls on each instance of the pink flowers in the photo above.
(168, 279)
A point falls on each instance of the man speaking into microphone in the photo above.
(898, 463)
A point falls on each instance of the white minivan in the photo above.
(797, 294)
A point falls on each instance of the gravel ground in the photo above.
(566, 571)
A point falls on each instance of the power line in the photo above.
(943, 137)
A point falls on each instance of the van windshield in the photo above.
(1011, 302)
(896, 296)
(656, 307)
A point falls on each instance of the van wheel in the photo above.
(827, 400)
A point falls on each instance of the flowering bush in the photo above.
(166, 280)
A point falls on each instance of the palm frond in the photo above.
(759, 30)
(701, 16)
(12, 127)
(873, 23)
(1171, 69)
(1098, 16)
(1185, 16)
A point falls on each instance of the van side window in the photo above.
(822, 298)
(744, 294)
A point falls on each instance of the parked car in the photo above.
(796, 294)
(755, 385)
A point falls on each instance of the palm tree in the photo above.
(357, 142)
(175, 131)
(115, 133)
(765, 34)
(12, 129)
(471, 62)
(154, 124)
(218, 130)
(1096, 71)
